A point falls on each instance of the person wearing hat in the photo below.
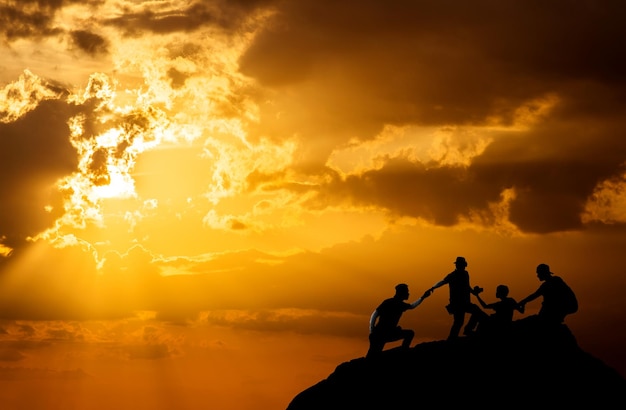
(384, 321)
(558, 298)
(458, 282)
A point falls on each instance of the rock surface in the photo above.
(530, 366)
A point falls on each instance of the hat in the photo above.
(460, 261)
(543, 268)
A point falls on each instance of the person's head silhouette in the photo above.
(502, 291)
(543, 271)
(402, 291)
(460, 262)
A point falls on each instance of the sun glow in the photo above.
(106, 160)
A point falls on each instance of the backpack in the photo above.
(568, 299)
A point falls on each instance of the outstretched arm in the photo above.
(518, 306)
(529, 298)
(373, 320)
(421, 299)
(481, 301)
(438, 285)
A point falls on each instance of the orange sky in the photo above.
(201, 202)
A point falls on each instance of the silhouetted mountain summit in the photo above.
(530, 366)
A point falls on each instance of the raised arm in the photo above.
(481, 301)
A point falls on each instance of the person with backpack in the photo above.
(558, 298)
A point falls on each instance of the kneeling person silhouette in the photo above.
(384, 321)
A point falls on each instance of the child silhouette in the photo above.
(504, 309)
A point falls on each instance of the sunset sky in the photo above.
(202, 201)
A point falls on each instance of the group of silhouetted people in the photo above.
(558, 301)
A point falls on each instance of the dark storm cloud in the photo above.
(33, 18)
(89, 42)
(433, 62)
(34, 153)
(551, 189)
(162, 18)
(550, 195)
(346, 69)
(18, 23)
(438, 194)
